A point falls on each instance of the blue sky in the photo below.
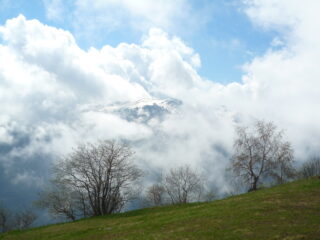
(225, 37)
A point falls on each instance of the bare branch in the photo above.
(100, 178)
(260, 152)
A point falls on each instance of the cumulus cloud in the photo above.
(287, 80)
(50, 90)
(46, 80)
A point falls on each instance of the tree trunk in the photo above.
(254, 184)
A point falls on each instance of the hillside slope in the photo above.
(289, 211)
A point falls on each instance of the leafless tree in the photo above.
(5, 216)
(155, 194)
(260, 152)
(24, 219)
(282, 168)
(209, 196)
(311, 168)
(99, 179)
(61, 201)
(183, 185)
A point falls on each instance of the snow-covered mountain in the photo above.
(144, 110)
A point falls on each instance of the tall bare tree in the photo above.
(260, 152)
(183, 185)
(99, 178)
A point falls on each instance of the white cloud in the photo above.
(29, 179)
(288, 79)
(47, 84)
(294, 19)
(5, 136)
(54, 52)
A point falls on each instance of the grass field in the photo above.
(290, 211)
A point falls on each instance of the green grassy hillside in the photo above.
(289, 211)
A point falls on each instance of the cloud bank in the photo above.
(50, 87)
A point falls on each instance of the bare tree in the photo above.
(24, 219)
(209, 195)
(311, 168)
(183, 185)
(61, 201)
(282, 169)
(155, 194)
(260, 152)
(5, 216)
(99, 180)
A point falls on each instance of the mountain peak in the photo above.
(144, 109)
